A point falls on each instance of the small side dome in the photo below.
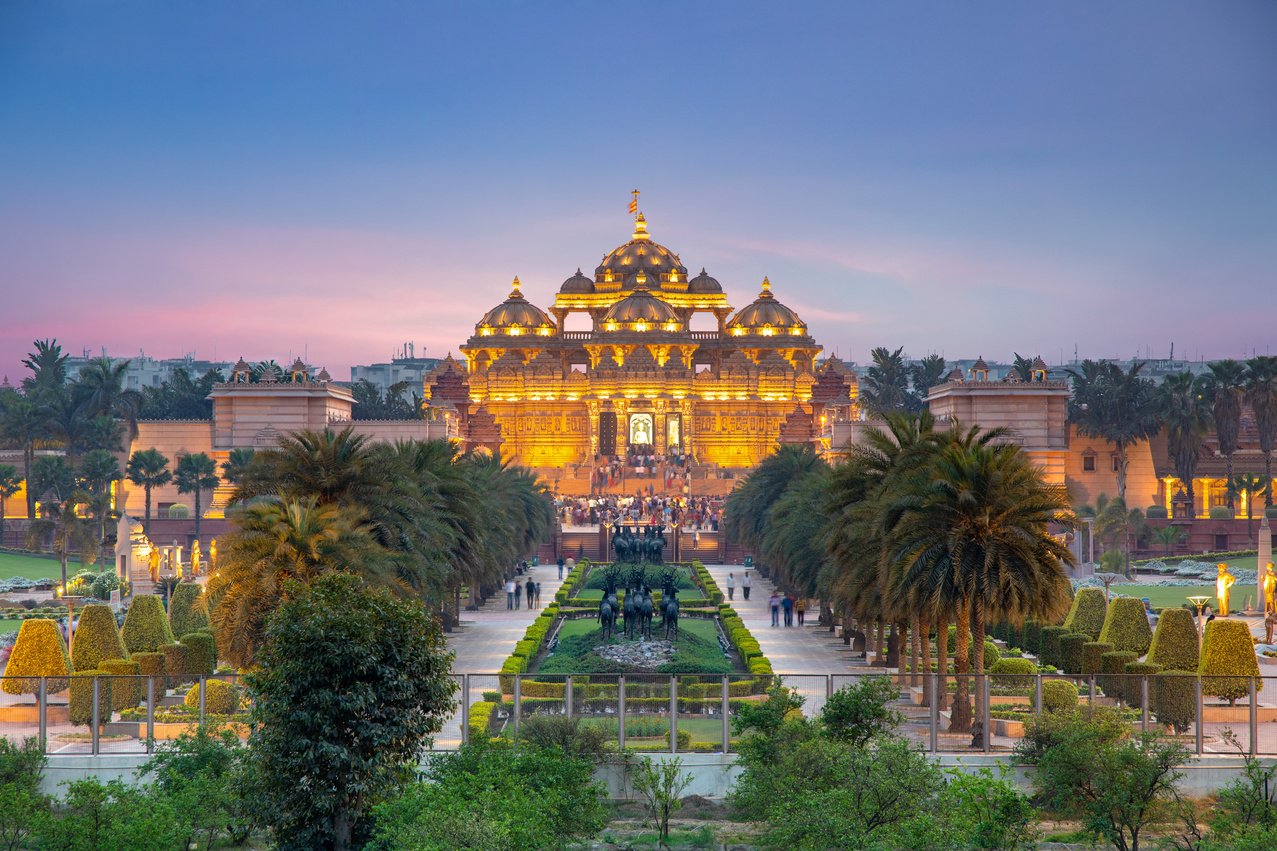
(515, 316)
(578, 284)
(704, 284)
(766, 317)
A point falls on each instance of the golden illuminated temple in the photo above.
(641, 380)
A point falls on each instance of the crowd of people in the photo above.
(640, 463)
(696, 513)
(516, 592)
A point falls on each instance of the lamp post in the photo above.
(1200, 602)
(70, 600)
(1108, 579)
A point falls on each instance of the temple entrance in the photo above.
(641, 431)
(607, 433)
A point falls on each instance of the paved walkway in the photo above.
(486, 638)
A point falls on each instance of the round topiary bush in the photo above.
(201, 659)
(151, 665)
(81, 699)
(40, 651)
(1136, 673)
(146, 627)
(1228, 659)
(126, 684)
(1071, 653)
(1221, 512)
(1086, 616)
(1113, 672)
(220, 697)
(1155, 512)
(1049, 647)
(1126, 626)
(1174, 644)
(175, 664)
(1013, 673)
(97, 638)
(1092, 651)
(185, 614)
(1059, 696)
(1175, 699)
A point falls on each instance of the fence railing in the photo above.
(672, 712)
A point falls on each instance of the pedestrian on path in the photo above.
(744, 585)
(560, 567)
(538, 592)
(731, 586)
(509, 593)
(800, 606)
(774, 602)
(518, 592)
(531, 589)
(787, 604)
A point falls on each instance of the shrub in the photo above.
(1058, 695)
(1221, 512)
(81, 700)
(1031, 637)
(481, 718)
(1086, 616)
(201, 658)
(1136, 673)
(220, 697)
(1092, 651)
(991, 654)
(146, 627)
(1228, 659)
(1013, 673)
(151, 665)
(97, 638)
(1155, 512)
(1049, 645)
(175, 663)
(1175, 699)
(1112, 672)
(185, 614)
(1071, 652)
(1174, 644)
(126, 686)
(1126, 626)
(39, 652)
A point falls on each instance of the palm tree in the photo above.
(1261, 393)
(1115, 525)
(1225, 384)
(749, 505)
(1114, 405)
(100, 391)
(148, 469)
(925, 374)
(1187, 419)
(885, 387)
(1168, 537)
(48, 367)
(1252, 486)
(25, 424)
(1022, 367)
(195, 474)
(53, 481)
(10, 484)
(98, 472)
(235, 467)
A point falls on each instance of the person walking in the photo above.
(518, 592)
(509, 593)
(531, 589)
(774, 602)
(787, 605)
(744, 585)
(537, 590)
(560, 567)
(731, 586)
(800, 606)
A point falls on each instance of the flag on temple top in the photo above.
(634, 206)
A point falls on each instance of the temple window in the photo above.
(1088, 463)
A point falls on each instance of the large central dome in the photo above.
(619, 269)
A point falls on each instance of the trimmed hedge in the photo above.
(1013, 673)
(1134, 689)
(1059, 695)
(176, 664)
(1031, 637)
(1071, 653)
(1228, 659)
(481, 718)
(1112, 673)
(1126, 626)
(201, 658)
(184, 613)
(126, 685)
(152, 665)
(146, 627)
(1174, 699)
(1092, 652)
(81, 700)
(220, 697)
(1049, 645)
(97, 638)
(1174, 644)
(40, 651)
(1086, 615)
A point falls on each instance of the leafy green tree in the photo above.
(10, 484)
(1187, 418)
(858, 713)
(885, 386)
(207, 775)
(1116, 405)
(1225, 385)
(1261, 393)
(21, 801)
(148, 469)
(112, 816)
(181, 397)
(662, 786)
(371, 404)
(196, 473)
(351, 684)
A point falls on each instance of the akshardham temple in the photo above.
(641, 380)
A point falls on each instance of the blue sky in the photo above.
(968, 178)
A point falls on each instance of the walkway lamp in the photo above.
(1200, 602)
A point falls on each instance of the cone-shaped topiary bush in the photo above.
(126, 685)
(184, 613)
(1228, 659)
(39, 652)
(1174, 644)
(1092, 651)
(220, 697)
(1126, 626)
(1049, 649)
(201, 660)
(146, 627)
(151, 665)
(1112, 672)
(175, 664)
(1174, 698)
(97, 638)
(1135, 672)
(1031, 637)
(1071, 653)
(1013, 673)
(1086, 616)
(81, 702)
(1059, 695)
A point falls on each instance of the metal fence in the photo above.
(673, 713)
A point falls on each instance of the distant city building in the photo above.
(145, 371)
(404, 366)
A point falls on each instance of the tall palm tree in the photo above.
(925, 374)
(100, 391)
(148, 469)
(54, 482)
(794, 544)
(10, 484)
(98, 471)
(748, 507)
(1168, 537)
(1184, 411)
(1251, 486)
(1116, 405)
(1261, 393)
(195, 474)
(25, 424)
(885, 387)
(235, 467)
(332, 466)
(1225, 384)
(48, 367)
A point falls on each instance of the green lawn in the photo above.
(1164, 596)
(10, 625)
(696, 649)
(32, 567)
